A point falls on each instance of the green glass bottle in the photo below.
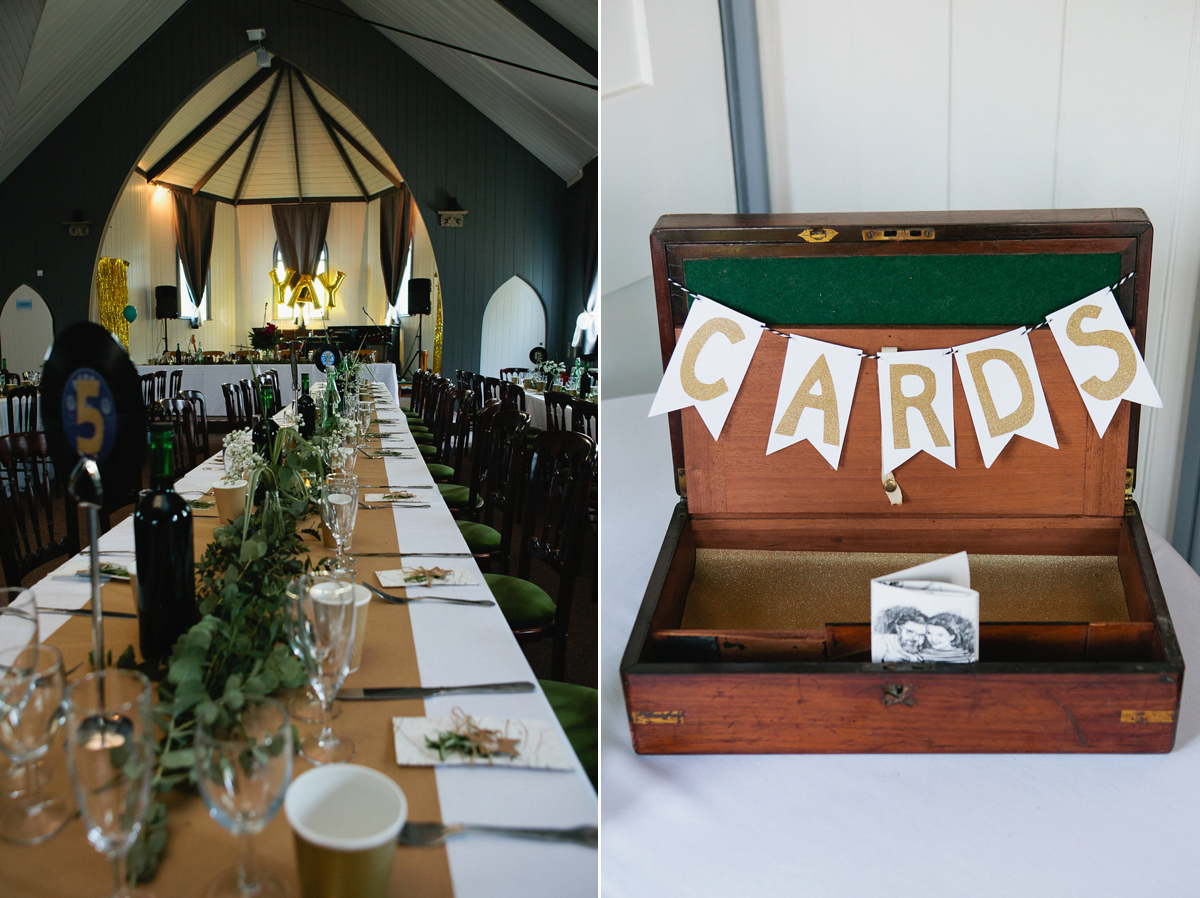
(306, 408)
(166, 571)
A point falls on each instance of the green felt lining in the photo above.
(1003, 289)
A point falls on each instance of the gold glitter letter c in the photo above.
(692, 385)
(1023, 414)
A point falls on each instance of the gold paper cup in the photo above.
(231, 498)
(345, 819)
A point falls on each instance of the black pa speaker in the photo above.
(166, 301)
(418, 296)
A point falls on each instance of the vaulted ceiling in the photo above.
(54, 53)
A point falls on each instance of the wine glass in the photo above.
(302, 706)
(243, 766)
(110, 754)
(339, 510)
(18, 626)
(323, 630)
(31, 697)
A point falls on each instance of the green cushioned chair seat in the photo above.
(577, 710)
(440, 472)
(423, 439)
(480, 538)
(455, 495)
(524, 604)
(426, 449)
(418, 428)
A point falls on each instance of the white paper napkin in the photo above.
(539, 745)
(456, 576)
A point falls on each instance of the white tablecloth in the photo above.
(850, 825)
(208, 379)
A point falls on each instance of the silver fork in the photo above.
(408, 600)
(437, 833)
(364, 505)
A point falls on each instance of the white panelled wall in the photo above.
(514, 321)
(140, 231)
(944, 104)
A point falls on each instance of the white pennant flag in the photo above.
(709, 363)
(916, 405)
(1103, 359)
(816, 390)
(1004, 392)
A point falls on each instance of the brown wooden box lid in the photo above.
(913, 281)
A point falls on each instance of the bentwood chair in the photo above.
(512, 395)
(265, 382)
(11, 379)
(506, 373)
(148, 398)
(196, 398)
(182, 415)
(234, 414)
(250, 403)
(452, 449)
(553, 528)
(176, 384)
(556, 410)
(504, 475)
(491, 389)
(30, 534)
(23, 409)
(160, 385)
(585, 418)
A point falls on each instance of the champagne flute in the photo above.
(110, 755)
(302, 706)
(31, 697)
(18, 626)
(243, 766)
(324, 632)
(339, 510)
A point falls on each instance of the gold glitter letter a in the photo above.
(1023, 414)
(825, 402)
(687, 370)
(1116, 385)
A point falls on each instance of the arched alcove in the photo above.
(26, 329)
(514, 321)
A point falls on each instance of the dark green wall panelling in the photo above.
(443, 146)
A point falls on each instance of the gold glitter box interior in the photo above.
(754, 632)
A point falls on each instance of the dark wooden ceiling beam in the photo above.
(262, 126)
(194, 136)
(554, 33)
(325, 117)
(295, 138)
(350, 139)
(233, 148)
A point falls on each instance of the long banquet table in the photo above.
(208, 379)
(421, 644)
(989, 826)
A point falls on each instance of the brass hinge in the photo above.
(681, 482)
(817, 235)
(1130, 479)
(898, 234)
(643, 718)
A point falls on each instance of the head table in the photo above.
(429, 644)
(208, 379)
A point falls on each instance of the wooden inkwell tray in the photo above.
(754, 633)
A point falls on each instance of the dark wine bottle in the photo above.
(178, 355)
(166, 572)
(306, 408)
(264, 430)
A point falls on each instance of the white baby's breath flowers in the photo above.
(240, 457)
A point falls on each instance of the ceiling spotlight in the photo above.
(263, 57)
(256, 34)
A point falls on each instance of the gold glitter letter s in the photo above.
(1023, 414)
(922, 402)
(1116, 385)
(826, 403)
(692, 385)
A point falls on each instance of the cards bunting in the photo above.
(816, 390)
(709, 363)
(999, 376)
(1004, 393)
(916, 405)
(1102, 357)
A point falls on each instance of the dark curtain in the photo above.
(590, 225)
(194, 219)
(300, 229)
(582, 243)
(397, 217)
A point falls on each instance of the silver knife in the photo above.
(411, 554)
(85, 612)
(379, 693)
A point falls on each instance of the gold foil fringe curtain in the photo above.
(112, 290)
(437, 333)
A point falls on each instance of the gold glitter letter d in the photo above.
(1116, 385)
(922, 402)
(826, 403)
(1023, 414)
(692, 385)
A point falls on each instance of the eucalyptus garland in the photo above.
(239, 646)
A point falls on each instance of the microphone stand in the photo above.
(417, 351)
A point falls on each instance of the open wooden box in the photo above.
(753, 635)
